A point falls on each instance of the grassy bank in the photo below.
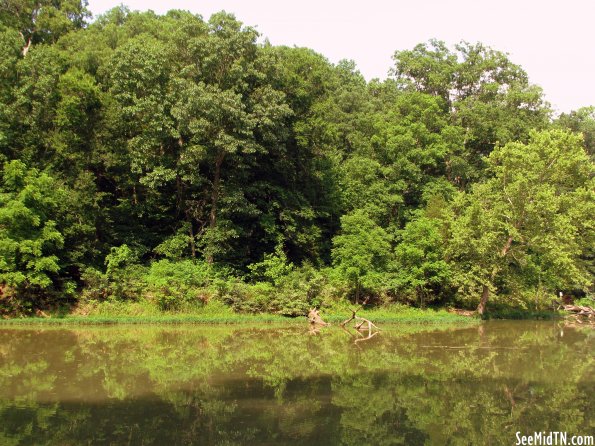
(503, 310)
(218, 313)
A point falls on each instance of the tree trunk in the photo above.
(485, 294)
(215, 196)
(27, 46)
(506, 247)
(179, 195)
(191, 236)
(420, 293)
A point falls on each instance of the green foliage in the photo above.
(74, 119)
(529, 224)
(301, 289)
(245, 298)
(413, 143)
(173, 284)
(419, 260)
(41, 20)
(292, 294)
(361, 252)
(168, 138)
(273, 268)
(124, 276)
(118, 259)
(29, 239)
(176, 246)
(581, 121)
(487, 97)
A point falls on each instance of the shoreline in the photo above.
(408, 316)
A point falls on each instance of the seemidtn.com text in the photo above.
(554, 439)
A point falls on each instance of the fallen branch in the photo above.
(41, 313)
(348, 320)
(315, 318)
(362, 322)
(359, 327)
(579, 310)
(461, 312)
(362, 325)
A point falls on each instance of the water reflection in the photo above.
(241, 385)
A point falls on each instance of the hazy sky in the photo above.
(554, 41)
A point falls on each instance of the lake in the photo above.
(236, 385)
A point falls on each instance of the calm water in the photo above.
(168, 385)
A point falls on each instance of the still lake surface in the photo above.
(236, 385)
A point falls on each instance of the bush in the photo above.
(291, 295)
(246, 298)
(175, 283)
(96, 284)
(274, 268)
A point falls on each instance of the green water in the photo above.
(167, 385)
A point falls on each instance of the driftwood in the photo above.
(362, 321)
(359, 328)
(41, 313)
(579, 310)
(460, 312)
(367, 338)
(315, 319)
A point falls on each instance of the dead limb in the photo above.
(361, 320)
(363, 330)
(359, 327)
(580, 311)
(314, 317)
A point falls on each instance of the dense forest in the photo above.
(177, 159)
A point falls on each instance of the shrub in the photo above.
(175, 283)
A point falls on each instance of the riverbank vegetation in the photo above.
(171, 162)
(118, 312)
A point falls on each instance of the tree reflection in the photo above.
(239, 385)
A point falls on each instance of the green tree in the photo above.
(302, 200)
(361, 251)
(273, 268)
(530, 222)
(486, 95)
(42, 20)
(429, 68)
(29, 239)
(580, 121)
(413, 142)
(9, 57)
(76, 114)
(419, 259)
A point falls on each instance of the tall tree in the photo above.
(419, 259)
(43, 20)
(361, 252)
(29, 238)
(486, 95)
(530, 221)
(580, 121)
